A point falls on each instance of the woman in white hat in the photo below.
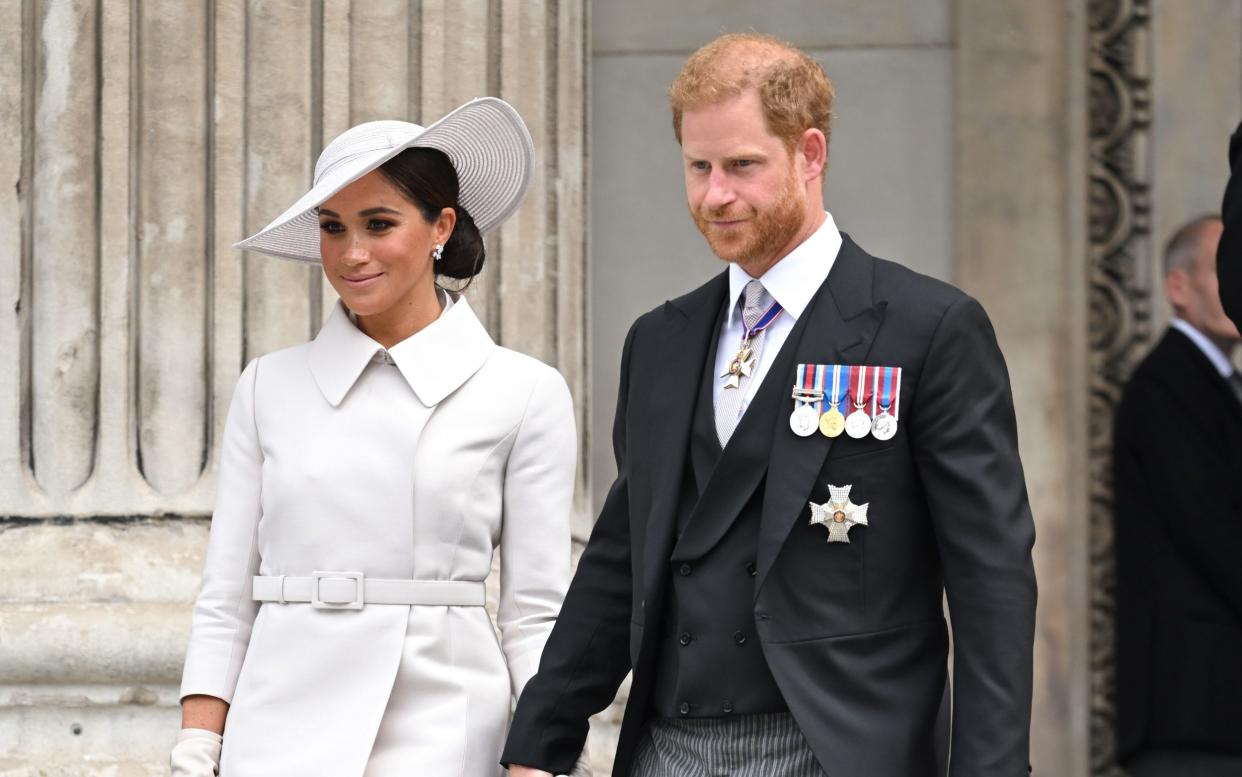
(367, 477)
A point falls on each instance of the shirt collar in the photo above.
(1215, 355)
(434, 361)
(793, 280)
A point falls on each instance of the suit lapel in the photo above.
(672, 383)
(742, 464)
(840, 328)
(704, 444)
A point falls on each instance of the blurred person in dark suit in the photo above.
(1229, 254)
(1178, 522)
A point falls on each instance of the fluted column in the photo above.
(141, 140)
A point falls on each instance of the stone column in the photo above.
(1021, 176)
(142, 140)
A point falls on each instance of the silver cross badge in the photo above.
(839, 514)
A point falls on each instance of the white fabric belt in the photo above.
(351, 590)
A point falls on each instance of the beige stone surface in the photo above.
(658, 25)
(1021, 172)
(172, 166)
(1195, 106)
(64, 219)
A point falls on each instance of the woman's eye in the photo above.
(378, 225)
(331, 227)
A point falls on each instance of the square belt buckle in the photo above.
(347, 604)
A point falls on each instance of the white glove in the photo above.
(196, 754)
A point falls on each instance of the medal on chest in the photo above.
(839, 514)
(888, 389)
(858, 423)
(832, 422)
(808, 395)
(743, 364)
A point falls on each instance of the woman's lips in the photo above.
(360, 281)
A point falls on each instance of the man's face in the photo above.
(1196, 295)
(743, 187)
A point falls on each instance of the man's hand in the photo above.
(526, 771)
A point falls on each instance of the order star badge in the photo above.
(839, 514)
(741, 367)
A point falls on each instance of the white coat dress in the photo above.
(337, 458)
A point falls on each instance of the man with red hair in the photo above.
(812, 449)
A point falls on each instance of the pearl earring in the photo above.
(438, 253)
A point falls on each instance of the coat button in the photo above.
(739, 637)
(727, 707)
(684, 708)
(751, 569)
(684, 638)
(684, 570)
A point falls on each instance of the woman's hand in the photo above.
(197, 751)
(196, 754)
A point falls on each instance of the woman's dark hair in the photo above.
(427, 178)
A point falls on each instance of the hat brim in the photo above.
(485, 139)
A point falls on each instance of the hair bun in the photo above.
(464, 253)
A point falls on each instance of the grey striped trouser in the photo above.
(768, 745)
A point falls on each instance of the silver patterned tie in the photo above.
(755, 301)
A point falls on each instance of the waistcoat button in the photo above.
(739, 637)
(684, 638)
(685, 569)
(684, 708)
(751, 569)
(727, 707)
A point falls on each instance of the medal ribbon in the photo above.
(875, 389)
(858, 386)
(763, 323)
(803, 383)
(836, 386)
(891, 374)
(819, 386)
(896, 396)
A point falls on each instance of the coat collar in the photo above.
(435, 361)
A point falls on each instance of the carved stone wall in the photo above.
(1120, 301)
(142, 139)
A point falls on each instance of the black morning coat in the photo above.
(854, 634)
(1229, 252)
(1177, 479)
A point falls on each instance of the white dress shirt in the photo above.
(792, 282)
(1215, 355)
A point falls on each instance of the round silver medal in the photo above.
(858, 424)
(804, 421)
(884, 426)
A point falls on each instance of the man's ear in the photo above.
(812, 149)
(1176, 282)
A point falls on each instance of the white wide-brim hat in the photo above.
(485, 139)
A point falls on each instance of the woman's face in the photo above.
(376, 246)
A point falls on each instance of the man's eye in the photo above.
(745, 162)
(331, 227)
(378, 225)
(701, 166)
